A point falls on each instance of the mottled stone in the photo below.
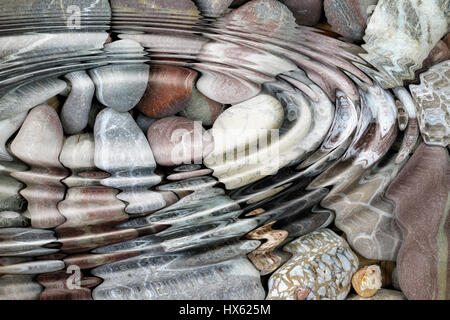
(177, 140)
(225, 87)
(38, 144)
(420, 192)
(433, 104)
(322, 262)
(76, 109)
(349, 18)
(386, 269)
(268, 16)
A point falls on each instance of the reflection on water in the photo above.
(148, 237)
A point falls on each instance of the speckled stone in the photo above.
(322, 262)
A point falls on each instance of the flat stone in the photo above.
(269, 16)
(245, 124)
(189, 174)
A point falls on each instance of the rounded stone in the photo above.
(177, 140)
